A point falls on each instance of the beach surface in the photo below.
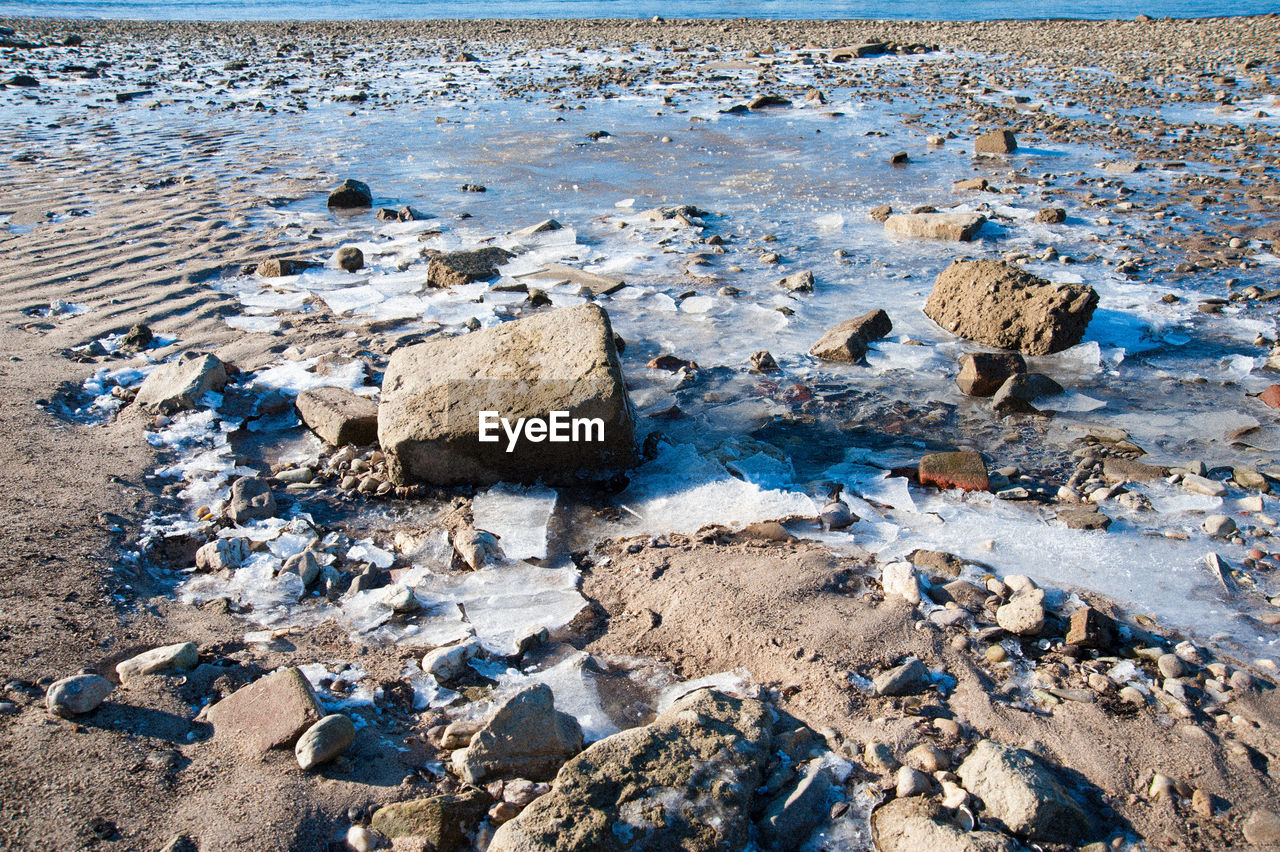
(176, 176)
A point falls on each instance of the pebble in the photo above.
(899, 580)
(324, 741)
(363, 839)
(928, 758)
(1131, 695)
(912, 782)
(996, 654)
(879, 757)
(1023, 615)
(1219, 526)
(1171, 666)
(78, 694)
(1203, 485)
(1162, 787)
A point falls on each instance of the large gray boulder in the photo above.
(1023, 794)
(1001, 305)
(685, 781)
(526, 738)
(434, 394)
(180, 384)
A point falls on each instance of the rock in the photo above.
(996, 142)
(1271, 396)
(1219, 526)
(914, 824)
(305, 564)
(138, 338)
(181, 384)
(1130, 470)
(1051, 216)
(1020, 391)
(763, 101)
(907, 679)
(899, 581)
(937, 564)
(324, 741)
(971, 185)
(181, 656)
(543, 227)
(912, 782)
(223, 554)
(23, 81)
(1204, 485)
(1171, 665)
(878, 757)
(450, 662)
(351, 195)
(707, 752)
(476, 547)
(798, 282)
(338, 416)
(1083, 518)
(560, 361)
(1003, 306)
(527, 737)
(1262, 828)
(270, 713)
(361, 838)
(1248, 477)
(961, 227)
(1024, 794)
(350, 259)
(928, 758)
(1089, 628)
(1024, 614)
(881, 213)
(251, 500)
(443, 821)
(78, 694)
(793, 815)
(763, 362)
(463, 267)
(278, 267)
(982, 373)
(848, 340)
(954, 470)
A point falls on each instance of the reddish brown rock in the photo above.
(1271, 396)
(982, 373)
(954, 470)
(996, 142)
(270, 713)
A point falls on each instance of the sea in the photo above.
(925, 10)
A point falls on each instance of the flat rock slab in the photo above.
(180, 384)
(847, 341)
(954, 470)
(599, 285)
(269, 713)
(1116, 469)
(559, 361)
(338, 416)
(961, 227)
(463, 267)
(1006, 307)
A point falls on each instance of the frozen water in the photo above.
(518, 516)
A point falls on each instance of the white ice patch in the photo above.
(518, 516)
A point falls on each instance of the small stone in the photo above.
(350, 259)
(338, 416)
(763, 362)
(908, 679)
(402, 600)
(996, 142)
(1202, 802)
(899, 580)
(251, 500)
(181, 384)
(1162, 787)
(78, 694)
(351, 195)
(269, 713)
(928, 758)
(912, 782)
(996, 654)
(1203, 485)
(879, 757)
(1132, 695)
(982, 373)
(450, 663)
(1219, 526)
(181, 656)
(798, 282)
(1171, 665)
(1023, 615)
(223, 554)
(1051, 216)
(1248, 477)
(1262, 828)
(527, 737)
(959, 227)
(847, 341)
(324, 741)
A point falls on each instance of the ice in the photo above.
(366, 551)
(737, 683)
(681, 491)
(507, 604)
(293, 377)
(254, 323)
(518, 516)
(426, 691)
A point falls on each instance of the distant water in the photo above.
(944, 10)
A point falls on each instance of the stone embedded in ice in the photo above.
(518, 516)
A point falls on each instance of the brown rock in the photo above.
(1051, 216)
(1130, 470)
(996, 142)
(671, 363)
(526, 738)
(559, 361)
(1270, 397)
(918, 823)
(440, 820)
(280, 266)
(848, 340)
(982, 373)
(338, 416)
(350, 258)
(351, 195)
(937, 226)
(1091, 629)
(464, 267)
(954, 470)
(1083, 518)
(182, 383)
(881, 213)
(1000, 305)
(269, 713)
(763, 362)
(970, 185)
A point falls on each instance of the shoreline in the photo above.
(198, 202)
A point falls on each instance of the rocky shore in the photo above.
(829, 580)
